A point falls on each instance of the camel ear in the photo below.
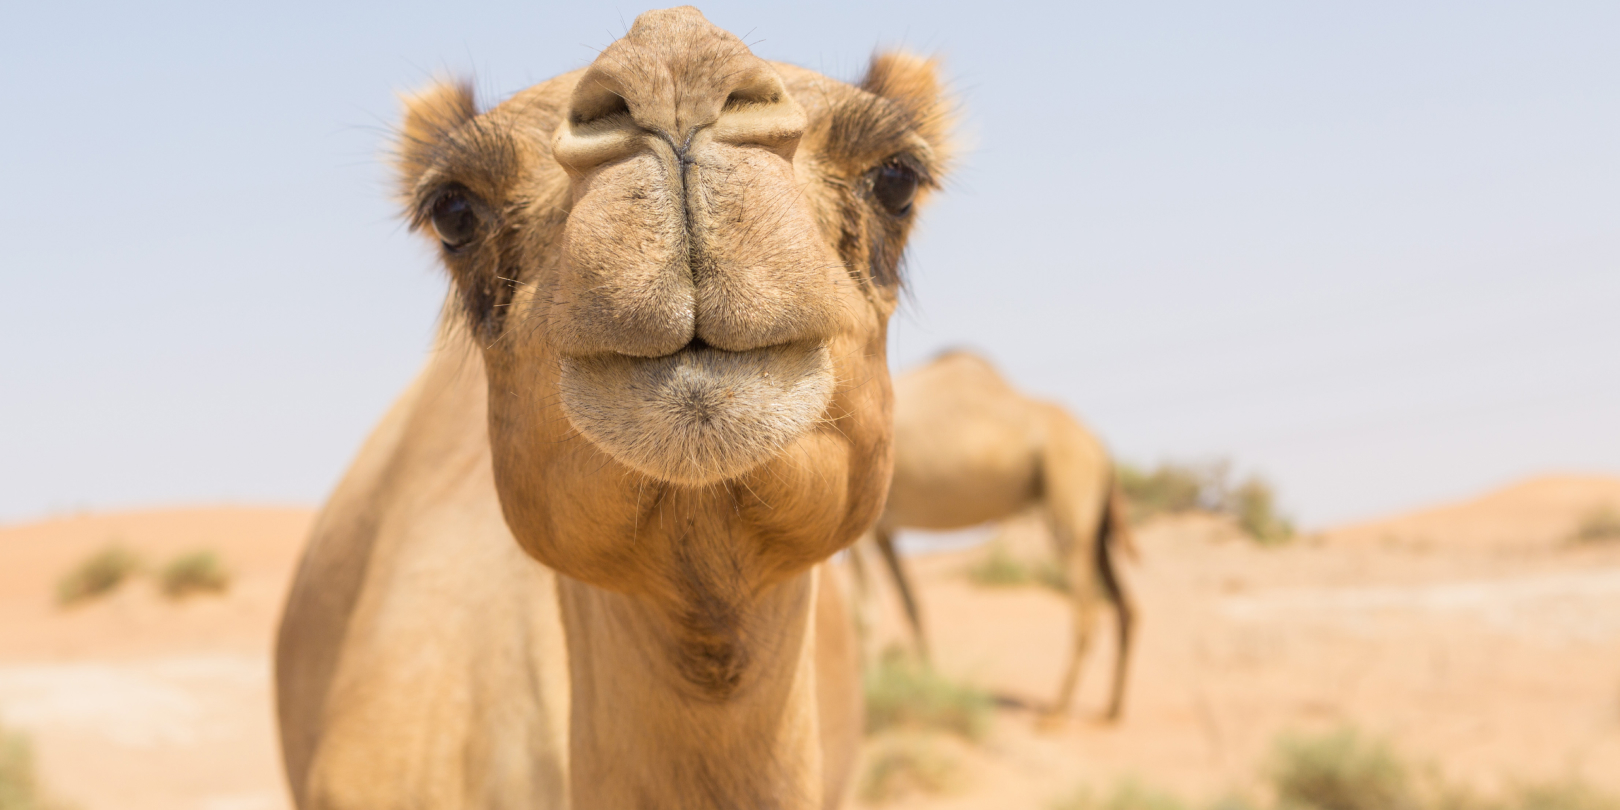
(430, 115)
(912, 82)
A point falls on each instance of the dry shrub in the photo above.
(193, 572)
(1173, 488)
(99, 574)
(1255, 507)
(1558, 796)
(1600, 525)
(19, 786)
(1048, 574)
(999, 569)
(904, 693)
(901, 765)
(1340, 771)
(1176, 488)
(1128, 795)
(1344, 770)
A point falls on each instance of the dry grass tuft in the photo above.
(904, 693)
(98, 575)
(1340, 771)
(1176, 488)
(194, 572)
(19, 786)
(1254, 505)
(1048, 574)
(998, 568)
(1558, 796)
(1600, 525)
(1172, 488)
(902, 765)
(1344, 770)
(1128, 795)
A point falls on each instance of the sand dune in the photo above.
(1471, 634)
(1538, 512)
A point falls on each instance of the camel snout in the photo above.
(687, 218)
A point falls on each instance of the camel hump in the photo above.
(960, 354)
(962, 366)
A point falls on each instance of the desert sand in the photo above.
(1474, 636)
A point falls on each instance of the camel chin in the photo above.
(701, 415)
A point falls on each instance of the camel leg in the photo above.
(1125, 616)
(1085, 603)
(902, 584)
(1115, 537)
(1075, 479)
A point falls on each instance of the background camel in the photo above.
(663, 377)
(969, 449)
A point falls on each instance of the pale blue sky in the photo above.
(1370, 249)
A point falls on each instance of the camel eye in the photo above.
(895, 186)
(454, 219)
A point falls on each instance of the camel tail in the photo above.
(1114, 533)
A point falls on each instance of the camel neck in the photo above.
(665, 718)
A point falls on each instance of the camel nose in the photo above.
(673, 77)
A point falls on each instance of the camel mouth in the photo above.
(700, 415)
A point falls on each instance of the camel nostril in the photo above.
(600, 126)
(596, 107)
(759, 112)
(751, 97)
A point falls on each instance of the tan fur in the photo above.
(969, 449)
(580, 563)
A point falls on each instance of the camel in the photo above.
(581, 561)
(970, 449)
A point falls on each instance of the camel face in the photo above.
(680, 262)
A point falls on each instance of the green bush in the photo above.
(193, 572)
(904, 693)
(1598, 526)
(99, 574)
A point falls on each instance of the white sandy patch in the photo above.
(140, 704)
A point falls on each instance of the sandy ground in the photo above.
(134, 701)
(1474, 636)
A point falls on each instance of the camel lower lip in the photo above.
(699, 415)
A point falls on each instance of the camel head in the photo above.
(679, 263)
